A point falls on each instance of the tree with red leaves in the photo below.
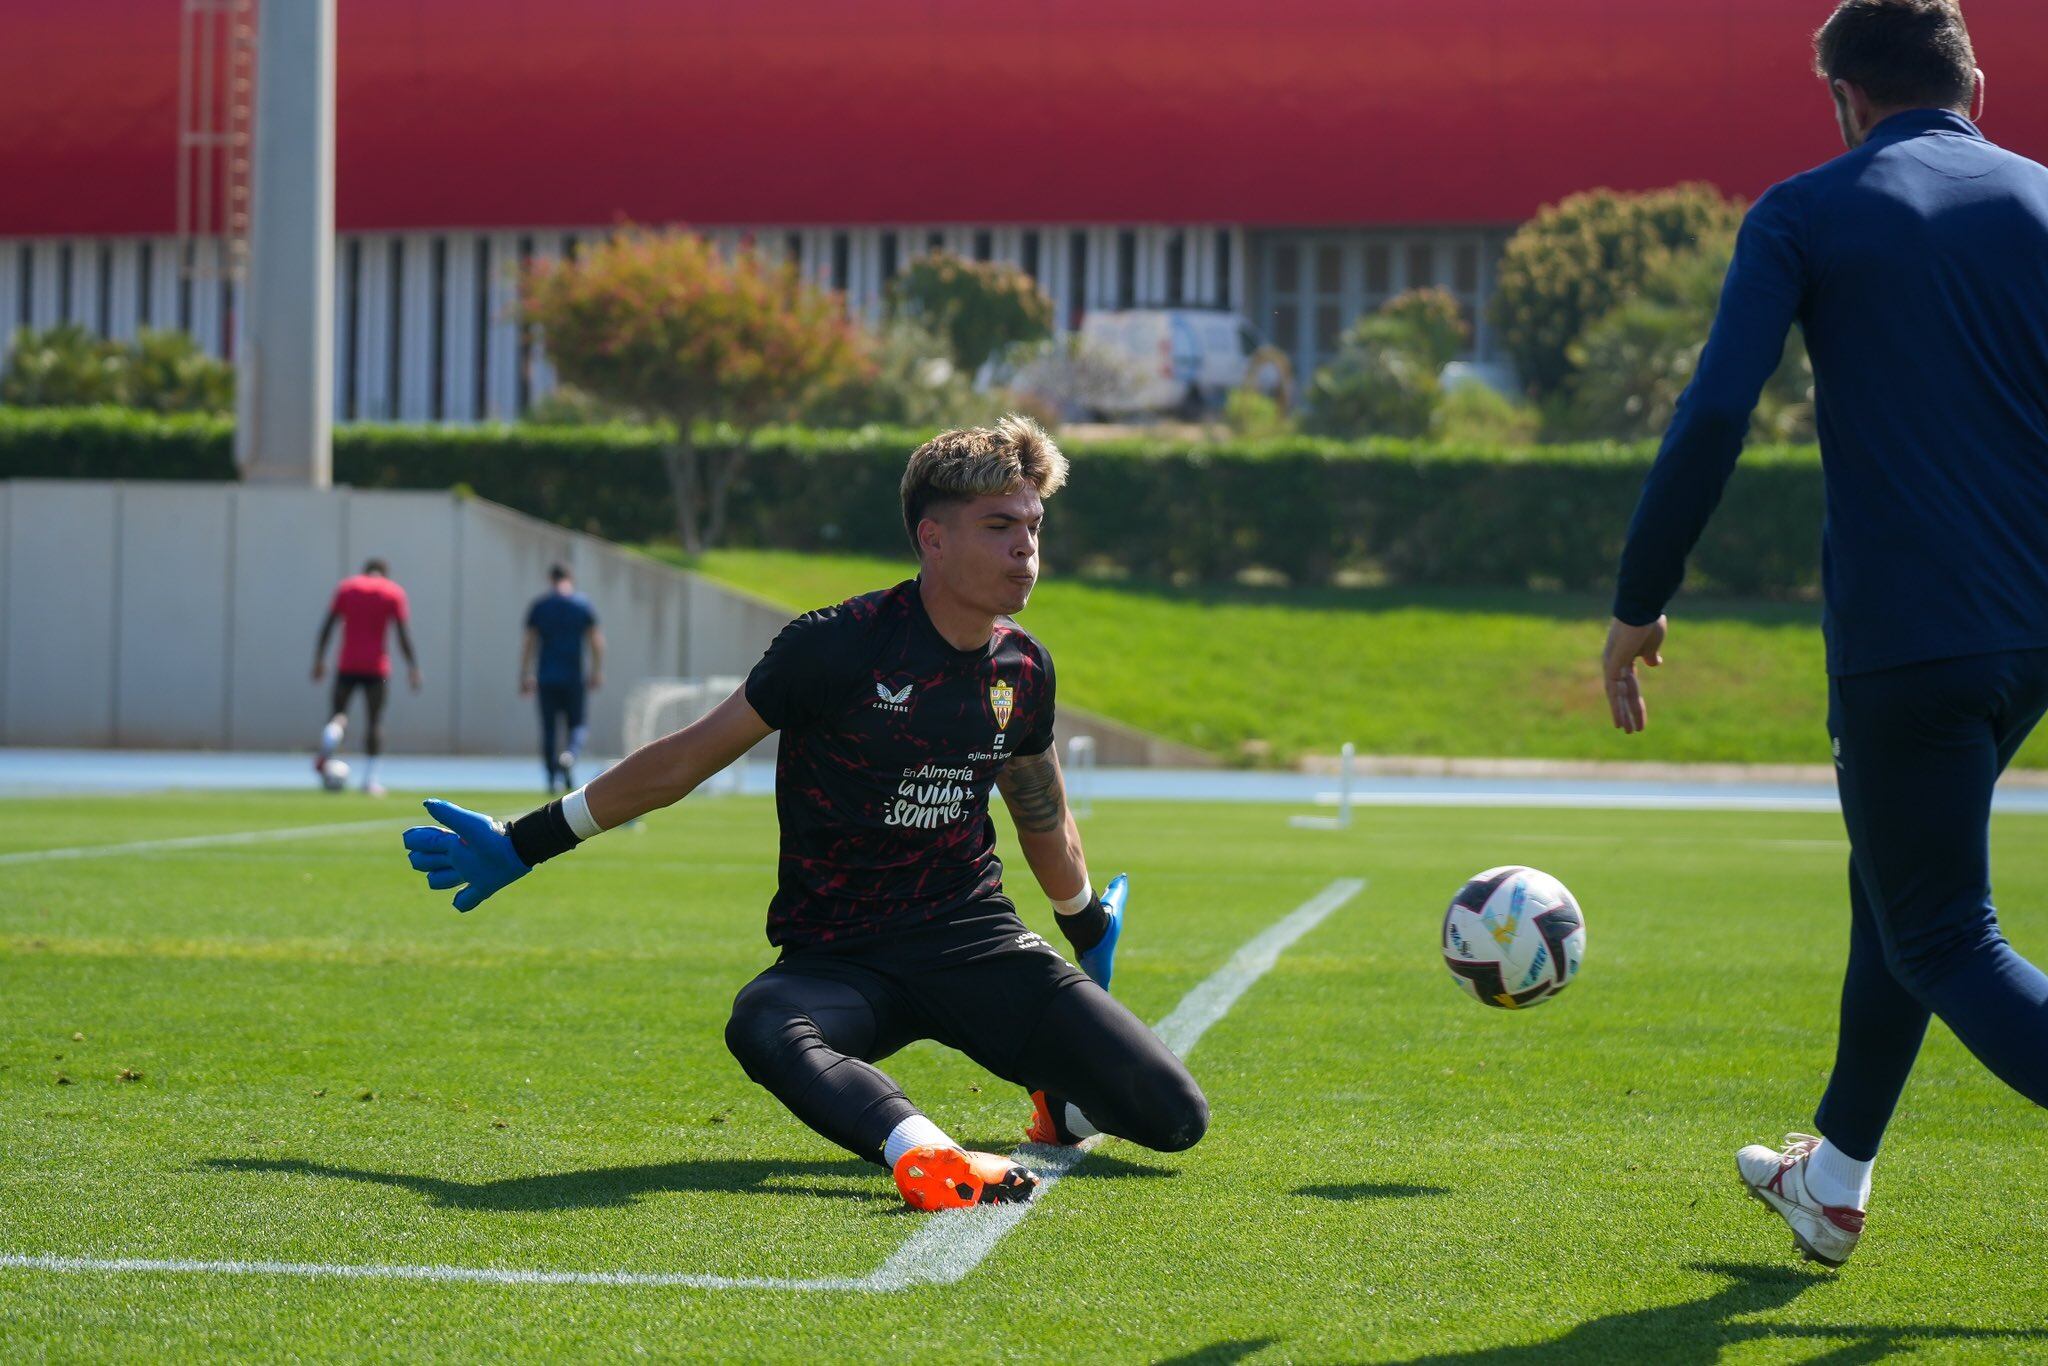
(664, 324)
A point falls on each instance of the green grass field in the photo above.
(330, 1066)
(1434, 672)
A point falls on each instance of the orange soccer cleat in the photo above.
(952, 1178)
(1045, 1126)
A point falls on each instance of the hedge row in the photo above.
(1403, 512)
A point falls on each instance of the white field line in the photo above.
(300, 832)
(953, 1243)
(945, 1250)
(1582, 801)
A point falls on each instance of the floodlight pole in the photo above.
(284, 405)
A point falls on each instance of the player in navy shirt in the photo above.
(558, 625)
(900, 712)
(1917, 268)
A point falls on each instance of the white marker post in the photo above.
(1346, 763)
(1081, 775)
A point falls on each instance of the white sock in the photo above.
(1077, 1123)
(369, 772)
(330, 739)
(1835, 1178)
(914, 1132)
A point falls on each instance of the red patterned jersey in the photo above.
(891, 742)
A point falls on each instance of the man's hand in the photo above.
(526, 685)
(596, 679)
(414, 677)
(473, 849)
(319, 669)
(1625, 645)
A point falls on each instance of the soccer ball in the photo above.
(1514, 937)
(334, 775)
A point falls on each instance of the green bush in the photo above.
(1634, 363)
(1253, 416)
(1383, 380)
(607, 480)
(1430, 323)
(1577, 260)
(980, 307)
(1474, 415)
(63, 366)
(1309, 509)
(167, 372)
(68, 367)
(915, 383)
(114, 443)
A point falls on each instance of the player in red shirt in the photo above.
(366, 605)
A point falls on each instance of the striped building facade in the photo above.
(426, 324)
(1298, 162)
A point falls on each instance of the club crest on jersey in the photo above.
(1002, 700)
(893, 699)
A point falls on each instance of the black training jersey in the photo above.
(891, 740)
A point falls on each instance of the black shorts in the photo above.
(374, 688)
(978, 980)
(811, 1027)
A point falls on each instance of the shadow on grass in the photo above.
(1699, 1330)
(1098, 1166)
(1219, 1353)
(843, 1178)
(1371, 1190)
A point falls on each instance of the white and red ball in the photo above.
(1514, 937)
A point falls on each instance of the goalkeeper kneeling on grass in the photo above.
(899, 711)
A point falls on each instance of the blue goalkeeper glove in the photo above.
(467, 850)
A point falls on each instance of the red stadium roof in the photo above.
(486, 113)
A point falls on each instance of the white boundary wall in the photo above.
(183, 615)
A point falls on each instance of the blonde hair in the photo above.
(975, 461)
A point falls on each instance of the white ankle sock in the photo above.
(330, 738)
(914, 1132)
(1077, 1123)
(369, 773)
(1835, 1178)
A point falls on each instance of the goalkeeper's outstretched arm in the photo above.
(478, 856)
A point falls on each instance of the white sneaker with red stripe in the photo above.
(1777, 1176)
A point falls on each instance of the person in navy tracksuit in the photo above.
(1916, 266)
(559, 624)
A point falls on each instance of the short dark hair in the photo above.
(1906, 54)
(557, 572)
(376, 566)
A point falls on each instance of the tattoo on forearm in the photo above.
(1035, 792)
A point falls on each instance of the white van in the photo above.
(1183, 360)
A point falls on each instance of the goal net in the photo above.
(659, 706)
